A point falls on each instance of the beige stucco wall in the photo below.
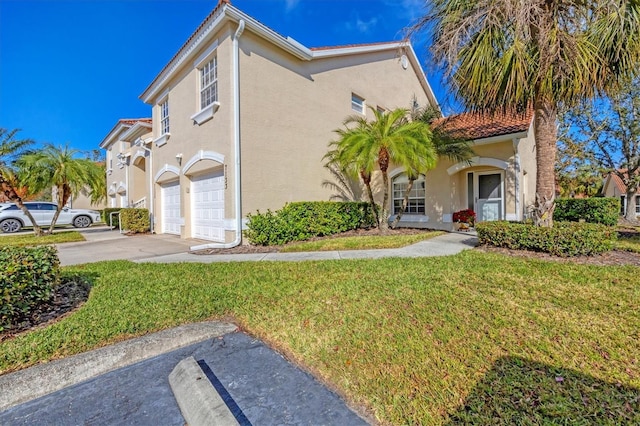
(447, 193)
(289, 109)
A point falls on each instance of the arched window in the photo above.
(417, 195)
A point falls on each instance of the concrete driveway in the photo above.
(104, 244)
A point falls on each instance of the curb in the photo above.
(198, 400)
(43, 379)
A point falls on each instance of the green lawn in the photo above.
(360, 242)
(31, 240)
(629, 244)
(463, 338)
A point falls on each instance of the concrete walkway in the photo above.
(443, 245)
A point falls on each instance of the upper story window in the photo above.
(357, 103)
(417, 195)
(164, 117)
(209, 83)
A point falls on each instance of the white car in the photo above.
(12, 219)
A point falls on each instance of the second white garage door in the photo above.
(170, 200)
(207, 207)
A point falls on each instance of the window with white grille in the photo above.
(209, 83)
(164, 117)
(417, 195)
(357, 103)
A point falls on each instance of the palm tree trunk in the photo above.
(546, 132)
(366, 178)
(405, 202)
(12, 195)
(384, 211)
(64, 192)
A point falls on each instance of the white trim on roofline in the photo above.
(114, 134)
(133, 129)
(288, 44)
(508, 137)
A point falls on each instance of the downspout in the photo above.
(142, 144)
(236, 144)
(517, 167)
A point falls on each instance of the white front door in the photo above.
(207, 207)
(489, 195)
(170, 200)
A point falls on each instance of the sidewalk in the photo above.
(443, 245)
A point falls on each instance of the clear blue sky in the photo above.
(69, 69)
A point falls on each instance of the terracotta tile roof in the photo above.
(132, 121)
(346, 46)
(619, 184)
(480, 126)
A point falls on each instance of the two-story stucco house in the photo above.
(242, 117)
(128, 159)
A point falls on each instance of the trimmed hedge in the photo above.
(27, 278)
(303, 220)
(135, 220)
(564, 239)
(592, 210)
(106, 213)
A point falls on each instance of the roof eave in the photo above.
(500, 138)
(113, 134)
(226, 13)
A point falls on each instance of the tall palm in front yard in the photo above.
(390, 138)
(60, 167)
(514, 55)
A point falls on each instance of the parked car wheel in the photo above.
(82, 221)
(10, 225)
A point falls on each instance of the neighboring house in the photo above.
(243, 116)
(614, 187)
(128, 162)
(82, 201)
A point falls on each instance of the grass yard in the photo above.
(629, 244)
(475, 338)
(32, 240)
(360, 242)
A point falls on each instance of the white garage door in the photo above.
(207, 207)
(171, 208)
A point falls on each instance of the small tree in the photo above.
(390, 138)
(608, 131)
(59, 167)
(11, 149)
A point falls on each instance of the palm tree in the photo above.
(59, 167)
(445, 145)
(11, 149)
(390, 138)
(513, 55)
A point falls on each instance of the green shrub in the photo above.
(106, 214)
(564, 239)
(591, 210)
(303, 220)
(27, 278)
(135, 220)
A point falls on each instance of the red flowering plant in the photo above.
(465, 216)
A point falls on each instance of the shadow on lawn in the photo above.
(521, 391)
